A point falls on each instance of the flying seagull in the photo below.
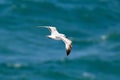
(58, 36)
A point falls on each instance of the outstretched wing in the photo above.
(51, 28)
(68, 44)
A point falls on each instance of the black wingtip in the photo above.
(68, 51)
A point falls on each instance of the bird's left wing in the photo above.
(68, 44)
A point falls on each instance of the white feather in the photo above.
(58, 36)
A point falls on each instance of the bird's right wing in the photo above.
(52, 29)
(68, 44)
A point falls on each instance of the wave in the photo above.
(87, 67)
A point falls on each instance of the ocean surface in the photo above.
(92, 25)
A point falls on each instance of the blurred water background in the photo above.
(92, 25)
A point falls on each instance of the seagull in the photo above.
(58, 36)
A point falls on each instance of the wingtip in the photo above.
(68, 52)
(39, 26)
(42, 26)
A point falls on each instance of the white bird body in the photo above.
(58, 36)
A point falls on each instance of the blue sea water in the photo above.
(92, 25)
